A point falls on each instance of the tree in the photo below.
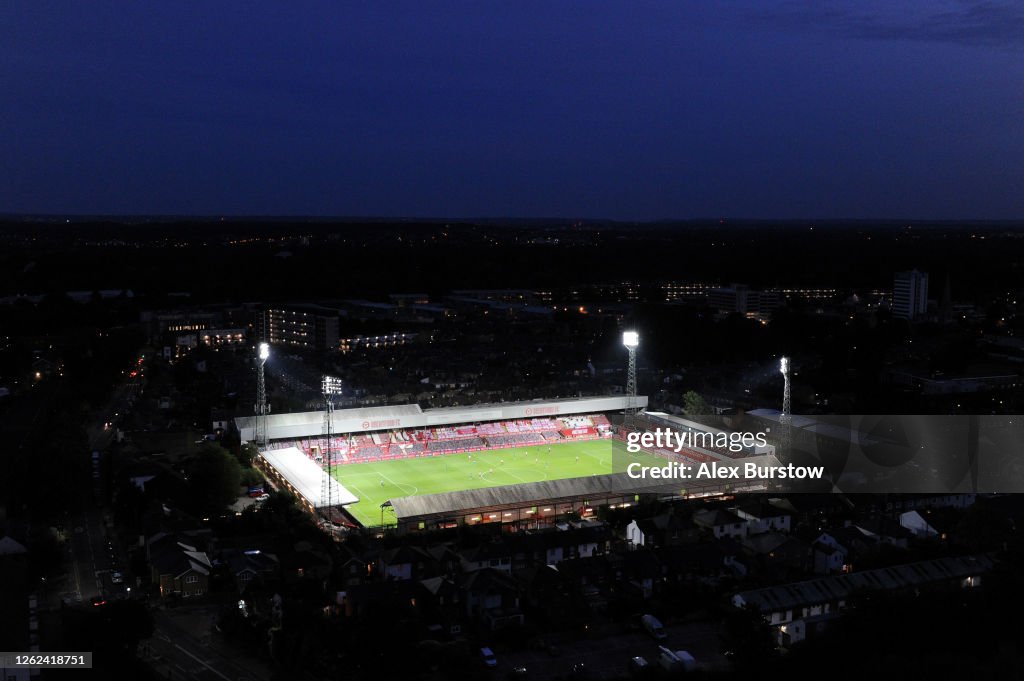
(694, 404)
(250, 477)
(748, 637)
(215, 477)
(247, 453)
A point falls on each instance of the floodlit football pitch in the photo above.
(375, 483)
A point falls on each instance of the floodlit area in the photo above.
(374, 483)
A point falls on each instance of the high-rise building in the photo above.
(910, 295)
(311, 327)
(740, 298)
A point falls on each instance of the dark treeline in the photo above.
(265, 260)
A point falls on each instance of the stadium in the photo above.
(520, 464)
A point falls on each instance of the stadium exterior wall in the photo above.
(310, 423)
(533, 505)
(537, 515)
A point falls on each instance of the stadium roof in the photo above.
(775, 415)
(305, 477)
(827, 426)
(367, 419)
(308, 423)
(537, 493)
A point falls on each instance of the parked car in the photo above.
(676, 661)
(639, 666)
(653, 627)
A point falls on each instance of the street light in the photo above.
(630, 339)
(784, 365)
(264, 352)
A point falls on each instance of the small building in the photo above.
(804, 628)
(829, 555)
(721, 522)
(783, 604)
(251, 566)
(764, 517)
(178, 568)
(492, 598)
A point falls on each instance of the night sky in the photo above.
(627, 110)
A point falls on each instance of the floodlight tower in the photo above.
(329, 386)
(631, 339)
(786, 417)
(262, 409)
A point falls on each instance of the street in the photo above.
(608, 657)
(185, 647)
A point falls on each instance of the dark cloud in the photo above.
(535, 108)
(982, 23)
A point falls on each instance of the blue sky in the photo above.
(627, 110)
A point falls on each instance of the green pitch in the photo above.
(375, 483)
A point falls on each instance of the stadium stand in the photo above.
(401, 444)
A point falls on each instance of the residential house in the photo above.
(705, 562)
(552, 546)
(814, 509)
(178, 568)
(929, 523)
(438, 600)
(804, 628)
(491, 597)
(444, 560)
(389, 602)
(305, 563)
(828, 555)
(885, 531)
(638, 571)
(666, 529)
(782, 604)
(403, 563)
(764, 517)
(495, 555)
(721, 522)
(250, 566)
(642, 532)
(777, 553)
(912, 502)
(354, 569)
(587, 575)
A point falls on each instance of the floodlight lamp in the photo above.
(784, 365)
(630, 339)
(331, 385)
(264, 351)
